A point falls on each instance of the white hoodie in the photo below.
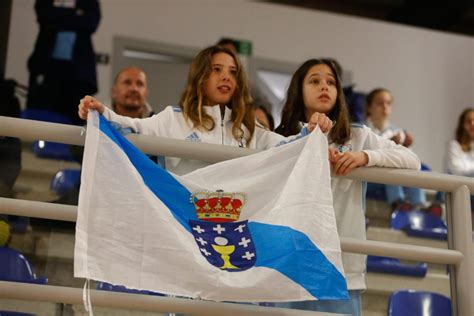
(458, 161)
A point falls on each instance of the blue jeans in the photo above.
(352, 306)
(415, 196)
(393, 193)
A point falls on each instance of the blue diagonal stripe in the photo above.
(293, 254)
(282, 248)
(172, 193)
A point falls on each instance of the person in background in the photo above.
(228, 43)
(316, 88)
(130, 93)
(10, 158)
(10, 147)
(5, 232)
(460, 151)
(379, 106)
(264, 117)
(63, 63)
(129, 98)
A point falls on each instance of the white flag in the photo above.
(257, 228)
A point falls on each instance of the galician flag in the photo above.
(252, 229)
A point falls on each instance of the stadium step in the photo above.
(36, 174)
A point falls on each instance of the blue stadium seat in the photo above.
(45, 116)
(45, 149)
(104, 286)
(418, 303)
(66, 180)
(14, 267)
(419, 224)
(51, 150)
(400, 220)
(18, 224)
(394, 266)
(375, 191)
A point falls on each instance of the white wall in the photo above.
(431, 74)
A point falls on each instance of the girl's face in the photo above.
(219, 87)
(319, 90)
(469, 124)
(381, 107)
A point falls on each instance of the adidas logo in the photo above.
(193, 137)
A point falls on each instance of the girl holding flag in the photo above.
(316, 88)
(214, 108)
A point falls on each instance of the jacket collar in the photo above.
(371, 124)
(215, 112)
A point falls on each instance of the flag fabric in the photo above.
(256, 228)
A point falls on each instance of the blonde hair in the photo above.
(194, 97)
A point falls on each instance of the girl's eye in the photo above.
(314, 81)
(216, 69)
(331, 82)
(233, 72)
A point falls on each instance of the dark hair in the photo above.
(293, 111)
(193, 98)
(337, 66)
(227, 41)
(461, 135)
(269, 116)
(371, 96)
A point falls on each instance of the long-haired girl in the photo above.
(316, 88)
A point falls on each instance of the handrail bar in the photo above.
(32, 130)
(137, 302)
(377, 248)
(69, 134)
(458, 190)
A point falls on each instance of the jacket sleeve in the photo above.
(154, 125)
(385, 153)
(457, 162)
(267, 139)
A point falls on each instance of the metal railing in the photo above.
(139, 302)
(459, 255)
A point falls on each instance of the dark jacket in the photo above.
(82, 21)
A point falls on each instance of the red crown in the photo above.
(218, 206)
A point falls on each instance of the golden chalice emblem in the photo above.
(225, 251)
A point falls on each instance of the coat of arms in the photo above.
(223, 240)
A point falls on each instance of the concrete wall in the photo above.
(431, 74)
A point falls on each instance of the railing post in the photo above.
(460, 238)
